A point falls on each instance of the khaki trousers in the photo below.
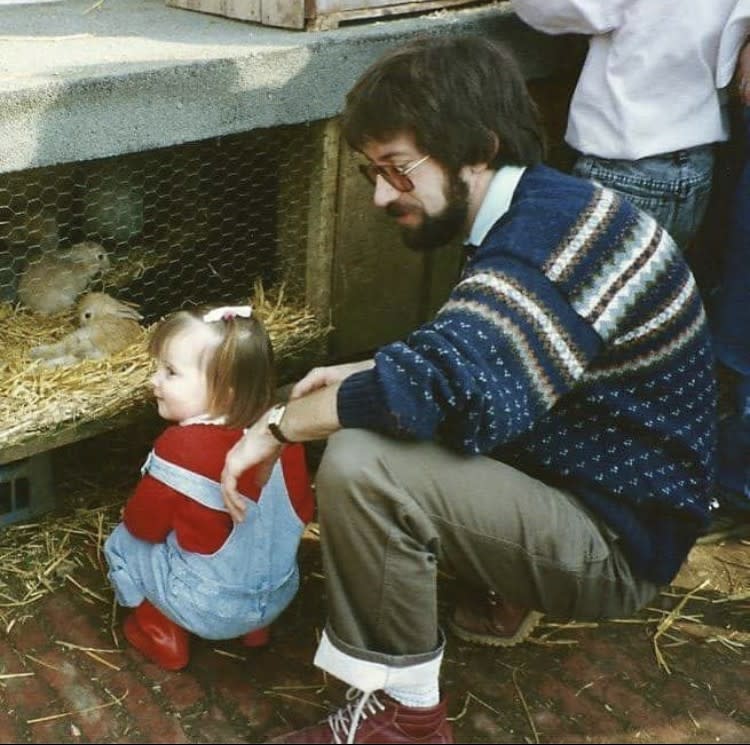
(391, 511)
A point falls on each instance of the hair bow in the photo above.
(227, 312)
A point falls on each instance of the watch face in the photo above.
(276, 414)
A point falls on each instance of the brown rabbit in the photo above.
(106, 326)
(52, 283)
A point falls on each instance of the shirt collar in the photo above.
(496, 202)
(203, 419)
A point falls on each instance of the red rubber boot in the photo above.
(157, 637)
(258, 638)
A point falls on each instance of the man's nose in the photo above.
(384, 193)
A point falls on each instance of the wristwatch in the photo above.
(274, 423)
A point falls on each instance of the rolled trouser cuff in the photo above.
(373, 671)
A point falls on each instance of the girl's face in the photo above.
(179, 382)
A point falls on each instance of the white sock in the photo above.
(414, 685)
(420, 697)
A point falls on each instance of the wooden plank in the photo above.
(322, 7)
(243, 10)
(378, 282)
(314, 14)
(322, 222)
(355, 11)
(306, 225)
(68, 433)
(283, 13)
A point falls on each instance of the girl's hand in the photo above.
(322, 377)
(257, 448)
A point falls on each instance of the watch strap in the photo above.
(273, 423)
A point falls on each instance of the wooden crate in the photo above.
(315, 15)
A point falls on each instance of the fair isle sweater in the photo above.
(575, 348)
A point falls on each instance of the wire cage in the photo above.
(196, 222)
(208, 222)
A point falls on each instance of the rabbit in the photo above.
(53, 283)
(106, 325)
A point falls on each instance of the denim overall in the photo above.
(243, 586)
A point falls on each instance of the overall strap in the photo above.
(200, 488)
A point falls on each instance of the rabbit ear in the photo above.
(127, 310)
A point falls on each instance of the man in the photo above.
(548, 435)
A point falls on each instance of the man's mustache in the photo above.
(396, 210)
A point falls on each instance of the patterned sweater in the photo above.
(575, 348)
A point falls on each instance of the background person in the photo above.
(645, 113)
(731, 317)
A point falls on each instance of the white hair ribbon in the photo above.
(227, 312)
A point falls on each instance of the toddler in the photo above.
(176, 557)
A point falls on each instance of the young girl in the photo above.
(177, 557)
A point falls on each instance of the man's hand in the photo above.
(323, 377)
(258, 448)
(311, 416)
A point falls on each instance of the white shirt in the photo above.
(648, 84)
(496, 202)
(735, 33)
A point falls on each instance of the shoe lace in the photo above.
(345, 721)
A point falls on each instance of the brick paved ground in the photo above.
(597, 684)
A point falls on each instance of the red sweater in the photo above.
(155, 509)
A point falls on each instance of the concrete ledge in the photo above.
(80, 81)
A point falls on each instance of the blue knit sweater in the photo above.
(575, 348)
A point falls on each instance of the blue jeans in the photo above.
(732, 337)
(674, 188)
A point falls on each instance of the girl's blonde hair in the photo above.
(239, 368)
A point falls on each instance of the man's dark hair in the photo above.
(464, 100)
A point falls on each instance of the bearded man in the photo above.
(549, 435)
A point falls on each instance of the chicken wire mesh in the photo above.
(213, 222)
(195, 223)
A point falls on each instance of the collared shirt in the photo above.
(496, 202)
(204, 419)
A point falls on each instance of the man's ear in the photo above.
(493, 147)
(487, 158)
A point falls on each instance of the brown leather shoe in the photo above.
(487, 619)
(377, 718)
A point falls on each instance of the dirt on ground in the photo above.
(677, 672)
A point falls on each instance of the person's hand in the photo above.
(742, 74)
(258, 448)
(322, 377)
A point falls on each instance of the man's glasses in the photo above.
(396, 176)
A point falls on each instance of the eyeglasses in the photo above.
(396, 176)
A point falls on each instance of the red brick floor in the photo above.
(574, 684)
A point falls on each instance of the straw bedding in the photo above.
(35, 399)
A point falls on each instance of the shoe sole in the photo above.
(493, 640)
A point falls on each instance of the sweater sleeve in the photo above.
(150, 511)
(498, 356)
(155, 509)
(571, 16)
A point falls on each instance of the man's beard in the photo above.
(437, 230)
